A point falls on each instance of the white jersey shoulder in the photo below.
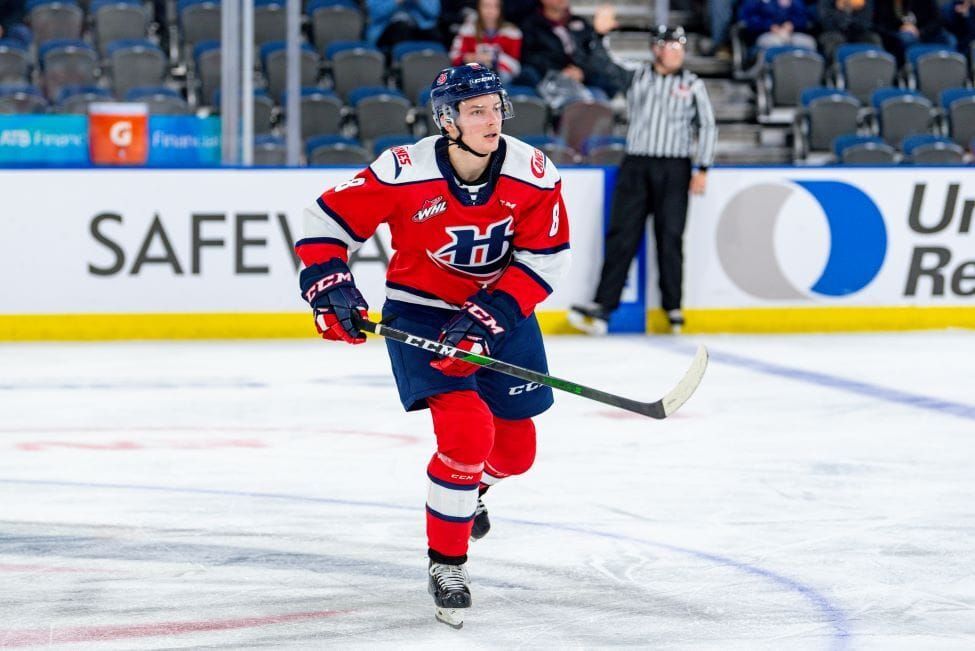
(529, 165)
(408, 163)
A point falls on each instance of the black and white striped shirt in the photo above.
(664, 111)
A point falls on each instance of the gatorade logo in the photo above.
(837, 228)
(120, 133)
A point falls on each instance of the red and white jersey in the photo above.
(512, 237)
(505, 44)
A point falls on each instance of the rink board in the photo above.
(104, 254)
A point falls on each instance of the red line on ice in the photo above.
(118, 632)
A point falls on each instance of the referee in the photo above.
(665, 106)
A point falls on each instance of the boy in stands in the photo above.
(480, 237)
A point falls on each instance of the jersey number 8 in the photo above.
(351, 183)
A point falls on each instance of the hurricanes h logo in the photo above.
(847, 260)
(476, 253)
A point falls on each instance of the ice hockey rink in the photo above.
(818, 492)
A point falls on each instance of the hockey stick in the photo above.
(657, 409)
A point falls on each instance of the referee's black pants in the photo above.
(647, 185)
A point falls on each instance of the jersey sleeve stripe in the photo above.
(528, 271)
(320, 240)
(338, 220)
(547, 268)
(550, 250)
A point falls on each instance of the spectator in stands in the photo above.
(560, 42)
(12, 21)
(720, 13)
(959, 20)
(903, 23)
(392, 21)
(771, 23)
(518, 11)
(487, 39)
(453, 14)
(845, 21)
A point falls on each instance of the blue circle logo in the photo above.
(747, 246)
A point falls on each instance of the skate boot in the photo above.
(591, 318)
(676, 318)
(481, 522)
(449, 585)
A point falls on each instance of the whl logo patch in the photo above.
(430, 208)
(472, 252)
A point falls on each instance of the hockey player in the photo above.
(480, 237)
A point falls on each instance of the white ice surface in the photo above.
(818, 492)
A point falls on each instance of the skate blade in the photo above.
(452, 617)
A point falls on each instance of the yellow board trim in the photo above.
(817, 319)
(100, 327)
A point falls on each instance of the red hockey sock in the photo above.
(465, 434)
(513, 452)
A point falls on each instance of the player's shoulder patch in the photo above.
(407, 163)
(528, 164)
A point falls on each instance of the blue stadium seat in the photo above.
(354, 64)
(75, 99)
(935, 68)
(21, 98)
(334, 20)
(274, 62)
(66, 62)
(388, 142)
(15, 62)
(160, 100)
(901, 113)
(929, 149)
(958, 106)
(786, 71)
(856, 149)
(555, 148)
(604, 150)
(380, 111)
(270, 151)
(136, 62)
(54, 19)
(335, 150)
(825, 114)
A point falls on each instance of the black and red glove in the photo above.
(330, 290)
(479, 327)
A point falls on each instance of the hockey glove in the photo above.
(479, 327)
(330, 290)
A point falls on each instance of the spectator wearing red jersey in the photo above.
(487, 39)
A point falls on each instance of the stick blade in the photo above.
(688, 384)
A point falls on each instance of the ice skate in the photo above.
(482, 524)
(591, 318)
(676, 318)
(449, 585)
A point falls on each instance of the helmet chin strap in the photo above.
(459, 141)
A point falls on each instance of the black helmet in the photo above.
(664, 34)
